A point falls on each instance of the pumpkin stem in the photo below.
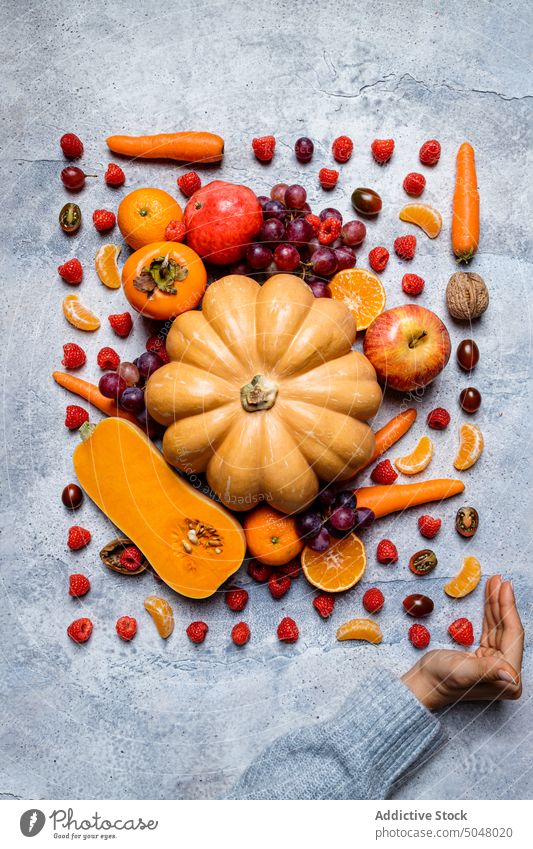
(86, 431)
(259, 394)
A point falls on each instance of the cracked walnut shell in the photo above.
(467, 296)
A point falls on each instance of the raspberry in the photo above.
(260, 572)
(78, 537)
(189, 183)
(114, 176)
(80, 630)
(264, 148)
(197, 631)
(131, 558)
(288, 630)
(378, 258)
(329, 230)
(107, 358)
(240, 633)
(342, 148)
(438, 419)
(175, 231)
(157, 346)
(71, 272)
(279, 585)
(121, 323)
(373, 600)
(414, 184)
(462, 632)
(419, 636)
(429, 153)
(386, 552)
(324, 604)
(327, 177)
(78, 585)
(75, 416)
(412, 284)
(236, 598)
(405, 247)
(428, 526)
(292, 568)
(384, 473)
(126, 628)
(73, 356)
(382, 150)
(71, 146)
(103, 220)
(315, 222)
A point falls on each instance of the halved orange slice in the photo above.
(426, 217)
(360, 629)
(106, 266)
(78, 315)
(417, 460)
(470, 447)
(337, 569)
(362, 292)
(466, 579)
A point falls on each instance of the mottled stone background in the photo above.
(170, 720)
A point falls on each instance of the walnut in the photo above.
(467, 296)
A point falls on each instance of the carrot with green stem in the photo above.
(391, 498)
(184, 147)
(465, 218)
(390, 433)
(89, 392)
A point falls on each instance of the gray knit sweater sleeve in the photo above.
(381, 731)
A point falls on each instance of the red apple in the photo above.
(408, 346)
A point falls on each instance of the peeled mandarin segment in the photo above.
(161, 612)
(426, 217)
(338, 568)
(362, 292)
(470, 447)
(106, 266)
(418, 460)
(78, 315)
(466, 580)
(360, 629)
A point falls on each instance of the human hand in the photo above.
(492, 672)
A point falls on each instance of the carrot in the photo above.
(390, 433)
(465, 219)
(383, 500)
(186, 147)
(92, 394)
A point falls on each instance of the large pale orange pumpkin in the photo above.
(264, 393)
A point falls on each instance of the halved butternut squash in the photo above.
(193, 543)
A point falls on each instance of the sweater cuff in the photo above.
(397, 733)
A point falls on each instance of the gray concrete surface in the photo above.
(170, 720)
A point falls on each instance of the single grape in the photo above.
(324, 262)
(263, 199)
(240, 267)
(298, 231)
(274, 209)
(364, 518)
(301, 213)
(152, 428)
(129, 373)
(319, 288)
(147, 363)
(73, 177)
(304, 149)
(258, 256)
(308, 525)
(345, 257)
(330, 212)
(271, 232)
(295, 197)
(321, 542)
(353, 233)
(345, 498)
(342, 518)
(277, 192)
(326, 497)
(112, 385)
(286, 257)
(132, 399)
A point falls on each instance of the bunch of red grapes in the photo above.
(126, 387)
(333, 514)
(287, 242)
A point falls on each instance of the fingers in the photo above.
(496, 679)
(512, 632)
(491, 613)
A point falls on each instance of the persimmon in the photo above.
(271, 537)
(164, 279)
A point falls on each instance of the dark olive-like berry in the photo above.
(423, 561)
(72, 496)
(466, 521)
(418, 605)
